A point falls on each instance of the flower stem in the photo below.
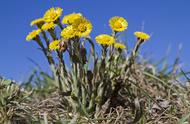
(45, 51)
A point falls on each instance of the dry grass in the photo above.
(145, 98)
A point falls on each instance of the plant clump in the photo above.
(113, 86)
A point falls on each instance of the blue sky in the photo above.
(167, 20)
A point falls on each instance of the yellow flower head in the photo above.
(119, 46)
(32, 35)
(68, 32)
(52, 14)
(82, 27)
(105, 39)
(54, 45)
(142, 36)
(69, 19)
(48, 26)
(39, 21)
(118, 23)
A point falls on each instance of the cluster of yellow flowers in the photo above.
(76, 25)
(46, 23)
(117, 24)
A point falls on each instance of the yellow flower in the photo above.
(32, 35)
(142, 36)
(48, 26)
(68, 32)
(105, 39)
(37, 21)
(69, 19)
(82, 27)
(119, 46)
(118, 23)
(54, 45)
(52, 14)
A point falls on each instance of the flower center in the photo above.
(117, 25)
(106, 39)
(82, 28)
(53, 15)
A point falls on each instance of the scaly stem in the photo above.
(133, 54)
(45, 38)
(58, 22)
(60, 25)
(61, 61)
(53, 34)
(49, 58)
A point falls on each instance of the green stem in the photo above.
(53, 34)
(60, 25)
(133, 54)
(45, 38)
(45, 51)
(61, 61)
